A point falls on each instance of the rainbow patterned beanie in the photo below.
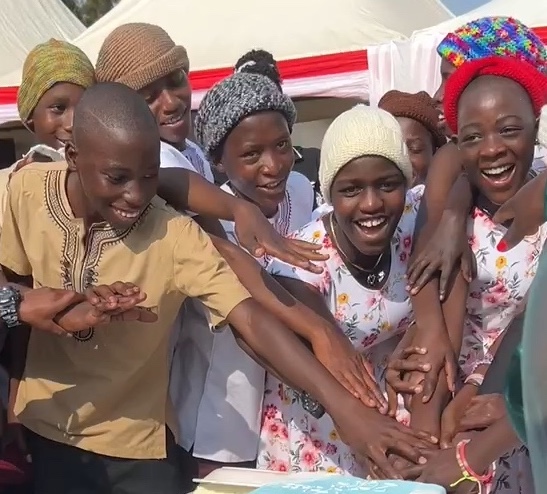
(493, 36)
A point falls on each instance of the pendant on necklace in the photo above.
(374, 279)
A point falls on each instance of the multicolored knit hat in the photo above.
(419, 106)
(493, 37)
(48, 64)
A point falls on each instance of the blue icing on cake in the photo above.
(340, 484)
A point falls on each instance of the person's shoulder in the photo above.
(171, 157)
(297, 179)
(415, 194)
(448, 151)
(299, 186)
(195, 147)
(163, 224)
(35, 174)
(5, 174)
(407, 222)
(161, 211)
(313, 232)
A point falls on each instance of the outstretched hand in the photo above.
(256, 234)
(115, 298)
(350, 368)
(447, 250)
(105, 304)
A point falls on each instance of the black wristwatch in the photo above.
(10, 301)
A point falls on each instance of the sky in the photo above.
(463, 6)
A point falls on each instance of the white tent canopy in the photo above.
(26, 23)
(391, 63)
(530, 12)
(217, 33)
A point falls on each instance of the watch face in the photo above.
(9, 306)
(7, 294)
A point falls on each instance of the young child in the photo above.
(419, 119)
(55, 75)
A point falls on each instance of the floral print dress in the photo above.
(373, 320)
(496, 297)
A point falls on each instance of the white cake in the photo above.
(229, 480)
(341, 485)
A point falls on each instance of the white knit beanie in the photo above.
(542, 130)
(361, 131)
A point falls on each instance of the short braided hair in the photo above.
(260, 62)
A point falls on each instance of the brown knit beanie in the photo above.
(419, 107)
(138, 54)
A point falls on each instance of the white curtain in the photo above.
(385, 66)
(412, 65)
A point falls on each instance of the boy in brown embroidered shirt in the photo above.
(96, 403)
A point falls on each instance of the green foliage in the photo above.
(88, 11)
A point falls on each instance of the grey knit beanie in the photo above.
(230, 101)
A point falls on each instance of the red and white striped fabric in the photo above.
(341, 75)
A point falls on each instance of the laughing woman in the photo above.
(494, 104)
(364, 173)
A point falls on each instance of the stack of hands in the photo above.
(64, 312)
(391, 450)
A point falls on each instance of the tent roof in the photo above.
(26, 23)
(217, 33)
(530, 12)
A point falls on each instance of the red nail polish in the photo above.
(502, 246)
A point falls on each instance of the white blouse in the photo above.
(196, 156)
(216, 388)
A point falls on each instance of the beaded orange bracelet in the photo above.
(467, 472)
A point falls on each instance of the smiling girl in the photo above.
(447, 199)
(244, 125)
(494, 104)
(365, 172)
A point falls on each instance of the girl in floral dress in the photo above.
(364, 173)
(494, 103)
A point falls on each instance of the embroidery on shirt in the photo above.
(282, 223)
(101, 236)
